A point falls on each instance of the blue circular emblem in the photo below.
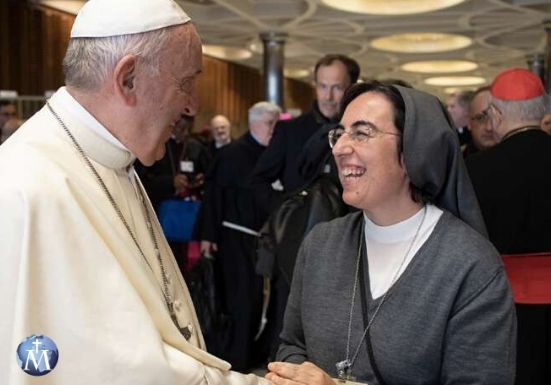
(37, 355)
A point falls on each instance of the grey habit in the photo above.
(448, 319)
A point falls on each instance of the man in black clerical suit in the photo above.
(333, 75)
(513, 186)
(181, 171)
(482, 132)
(458, 108)
(179, 174)
(230, 221)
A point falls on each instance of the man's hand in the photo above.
(208, 248)
(181, 183)
(198, 180)
(285, 373)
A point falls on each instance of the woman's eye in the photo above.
(361, 135)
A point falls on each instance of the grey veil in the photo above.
(433, 157)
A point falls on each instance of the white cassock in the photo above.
(70, 270)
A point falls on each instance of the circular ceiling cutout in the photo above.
(439, 66)
(296, 73)
(455, 81)
(421, 42)
(227, 53)
(390, 7)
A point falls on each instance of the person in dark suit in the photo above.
(333, 75)
(512, 183)
(181, 172)
(220, 129)
(458, 108)
(482, 132)
(230, 221)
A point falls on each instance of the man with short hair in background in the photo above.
(228, 232)
(83, 259)
(220, 127)
(482, 132)
(9, 129)
(546, 123)
(280, 162)
(7, 111)
(458, 107)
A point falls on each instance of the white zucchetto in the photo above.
(103, 18)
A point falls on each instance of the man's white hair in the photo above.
(256, 111)
(88, 61)
(521, 110)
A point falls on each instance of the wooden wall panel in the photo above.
(33, 40)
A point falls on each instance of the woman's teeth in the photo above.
(353, 171)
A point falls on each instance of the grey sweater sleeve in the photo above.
(481, 336)
(293, 347)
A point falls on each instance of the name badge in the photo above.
(186, 166)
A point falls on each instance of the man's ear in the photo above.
(125, 80)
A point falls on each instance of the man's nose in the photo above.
(330, 94)
(192, 105)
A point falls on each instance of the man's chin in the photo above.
(329, 113)
(160, 153)
(149, 159)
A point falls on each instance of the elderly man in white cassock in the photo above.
(83, 260)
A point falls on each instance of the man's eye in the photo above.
(185, 84)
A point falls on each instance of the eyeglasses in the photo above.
(360, 133)
(481, 117)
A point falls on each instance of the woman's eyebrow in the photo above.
(360, 123)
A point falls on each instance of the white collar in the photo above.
(397, 232)
(71, 104)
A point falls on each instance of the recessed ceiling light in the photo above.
(227, 53)
(455, 81)
(390, 7)
(421, 42)
(296, 73)
(439, 66)
(72, 6)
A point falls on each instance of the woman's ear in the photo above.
(125, 80)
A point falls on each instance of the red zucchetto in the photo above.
(517, 84)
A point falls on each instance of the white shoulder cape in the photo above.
(70, 270)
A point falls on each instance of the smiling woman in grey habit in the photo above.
(408, 290)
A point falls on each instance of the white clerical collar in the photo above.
(256, 139)
(218, 145)
(397, 232)
(71, 104)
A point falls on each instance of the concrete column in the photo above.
(274, 43)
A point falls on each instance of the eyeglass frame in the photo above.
(354, 134)
(481, 117)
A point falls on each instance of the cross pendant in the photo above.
(343, 369)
